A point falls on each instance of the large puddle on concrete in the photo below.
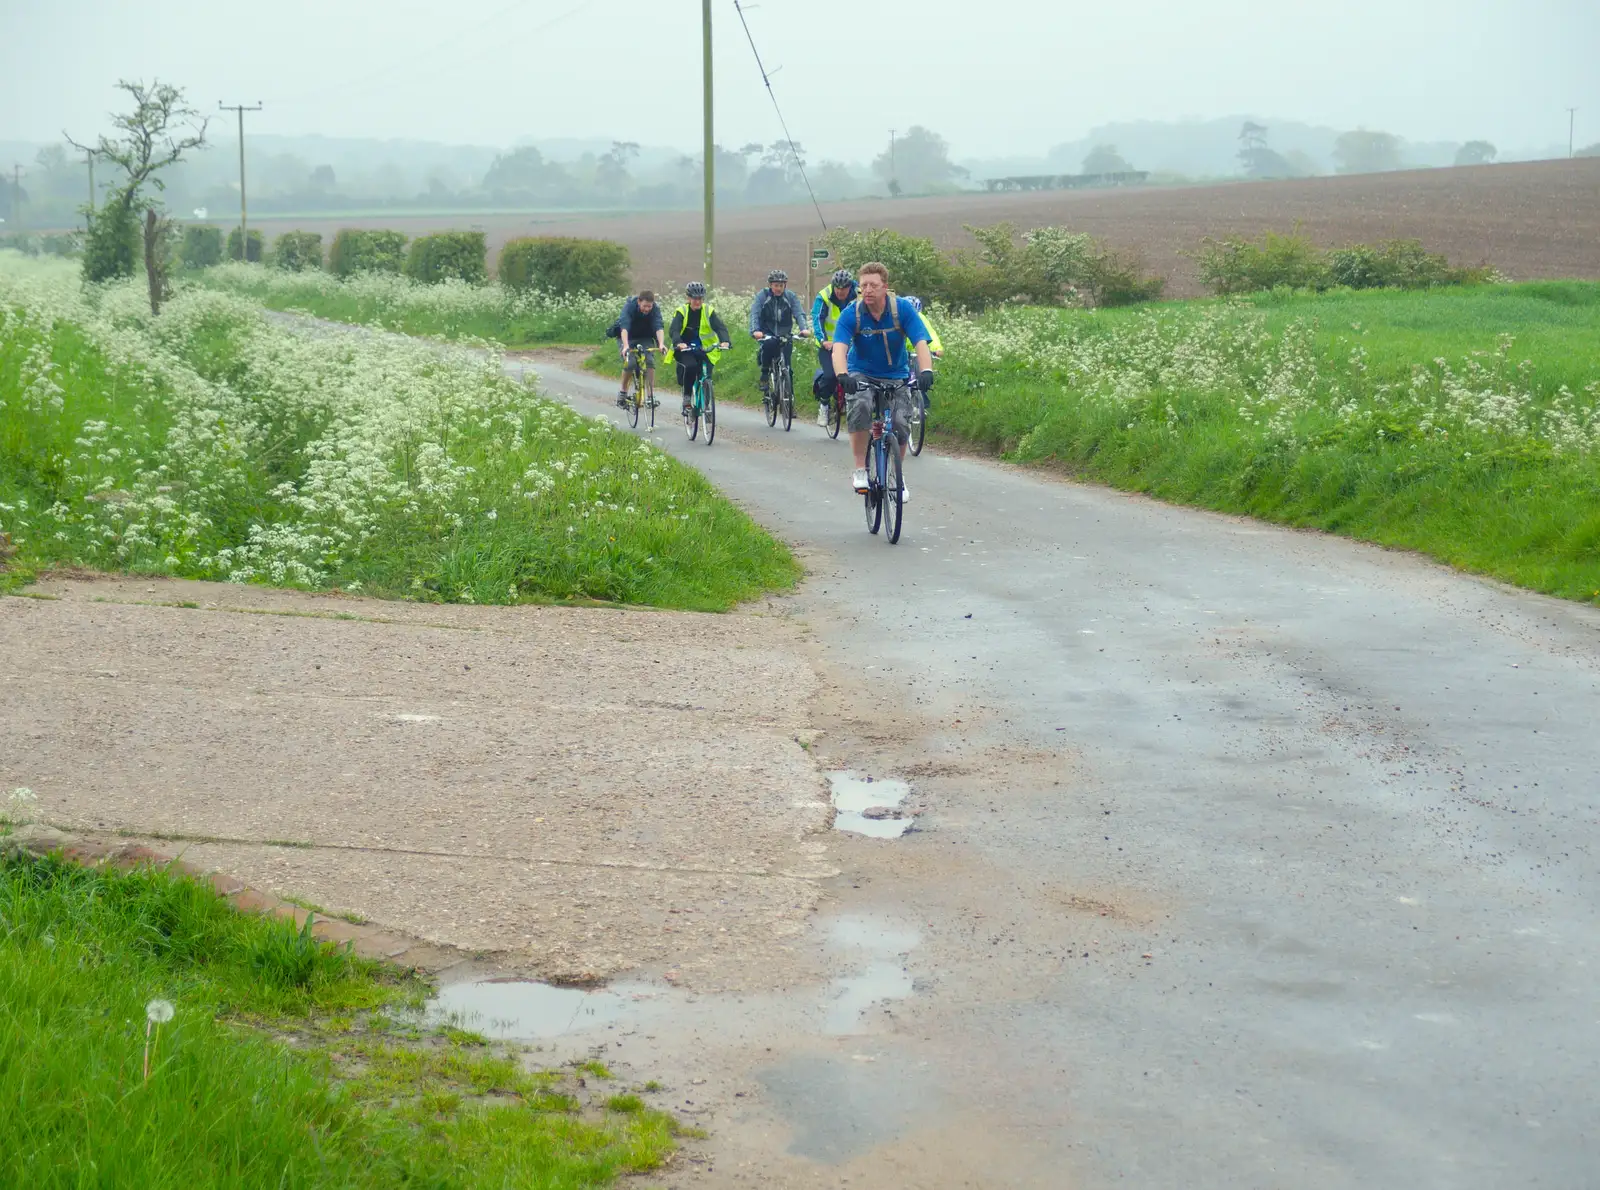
(873, 955)
(869, 806)
(522, 1010)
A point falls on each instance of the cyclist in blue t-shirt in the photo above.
(870, 339)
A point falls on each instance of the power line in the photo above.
(782, 123)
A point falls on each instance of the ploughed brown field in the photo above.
(1531, 221)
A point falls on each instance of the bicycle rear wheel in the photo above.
(709, 414)
(894, 506)
(919, 421)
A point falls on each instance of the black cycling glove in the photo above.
(925, 380)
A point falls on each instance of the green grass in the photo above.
(219, 445)
(280, 1067)
(1324, 411)
(455, 311)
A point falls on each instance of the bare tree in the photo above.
(160, 131)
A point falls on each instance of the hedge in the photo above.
(298, 251)
(202, 247)
(358, 251)
(457, 255)
(562, 264)
(254, 248)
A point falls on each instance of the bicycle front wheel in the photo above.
(919, 422)
(650, 403)
(769, 399)
(691, 414)
(835, 415)
(630, 407)
(709, 415)
(786, 399)
(893, 501)
(874, 497)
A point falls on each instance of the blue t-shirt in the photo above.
(880, 355)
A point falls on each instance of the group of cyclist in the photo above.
(864, 332)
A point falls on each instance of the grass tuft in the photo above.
(274, 1069)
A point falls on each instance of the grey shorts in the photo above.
(860, 407)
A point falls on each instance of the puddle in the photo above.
(523, 1010)
(883, 977)
(855, 795)
(873, 960)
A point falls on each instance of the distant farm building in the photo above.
(1135, 177)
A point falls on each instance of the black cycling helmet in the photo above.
(695, 289)
(843, 277)
(777, 275)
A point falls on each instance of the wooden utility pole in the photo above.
(710, 217)
(1572, 124)
(244, 222)
(88, 156)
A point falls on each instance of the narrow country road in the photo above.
(1245, 857)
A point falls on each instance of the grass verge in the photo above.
(286, 1062)
(1464, 423)
(216, 442)
(453, 310)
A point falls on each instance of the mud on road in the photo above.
(579, 791)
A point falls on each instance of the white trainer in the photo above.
(905, 495)
(860, 479)
(822, 416)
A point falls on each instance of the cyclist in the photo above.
(690, 322)
(831, 299)
(776, 313)
(637, 325)
(870, 339)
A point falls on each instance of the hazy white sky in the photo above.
(993, 76)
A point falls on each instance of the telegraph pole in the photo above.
(891, 155)
(244, 225)
(88, 157)
(1572, 123)
(710, 217)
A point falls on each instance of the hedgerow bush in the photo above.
(1234, 264)
(46, 244)
(357, 251)
(1047, 266)
(297, 251)
(1397, 264)
(202, 247)
(565, 265)
(448, 256)
(254, 249)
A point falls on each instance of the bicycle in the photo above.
(885, 483)
(836, 409)
(919, 411)
(779, 397)
(642, 376)
(702, 405)
(918, 419)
